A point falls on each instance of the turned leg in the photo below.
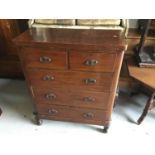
(149, 105)
(105, 129)
(37, 119)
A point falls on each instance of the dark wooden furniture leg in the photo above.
(105, 129)
(149, 105)
(37, 119)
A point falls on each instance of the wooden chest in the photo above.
(72, 74)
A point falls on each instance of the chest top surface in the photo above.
(71, 37)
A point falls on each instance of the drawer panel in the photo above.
(87, 99)
(89, 61)
(39, 58)
(73, 114)
(70, 79)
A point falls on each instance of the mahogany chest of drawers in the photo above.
(72, 74)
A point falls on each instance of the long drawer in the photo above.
(48, 59)
(89, 61)
(84, 115)
(80, 80)
(98, 100)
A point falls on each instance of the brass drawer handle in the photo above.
(89, 99)
(50, 96)
(48, 78)
(91, 62)
(45, 59)
(88, 115)
(90, 81)
(52, 111)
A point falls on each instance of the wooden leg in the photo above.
(105, 129)
(0, 111)
(37, 119)
(149, 105)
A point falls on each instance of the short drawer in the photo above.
(40, 58)
(89, 61)
(98, 100)
(71, 79)
(73, 114)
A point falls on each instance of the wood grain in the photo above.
(32, 56)
(58, 91)
(9, 62)
(72, 38)
(105, 61)
(71, 79)
(144, 75)
(73, 114)
(70, 97)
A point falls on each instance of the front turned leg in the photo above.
(105, 129)
(148, 107)
(37, 119)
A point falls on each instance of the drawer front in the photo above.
(79, 80)
(87, 99)
(88, 61)
(50, 59)
(73, 114)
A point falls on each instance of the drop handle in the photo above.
(90, 81)
(88, 115)
(89, 99)
(45, 59)
(52, 111)
(48, 78)
(50, 96)
(91, 62)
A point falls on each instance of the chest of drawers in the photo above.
(72, 75)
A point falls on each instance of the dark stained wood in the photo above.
(115, 80)
(9, 62)
(148, 107)
(67, 87)
(35, 57)
(23, 24)
(70, 97)
(146, 77)
(70, 79)
(8, 30)
(10, 67)
(85, 115)
(105, 62)
(125, 79)
(69, 38)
